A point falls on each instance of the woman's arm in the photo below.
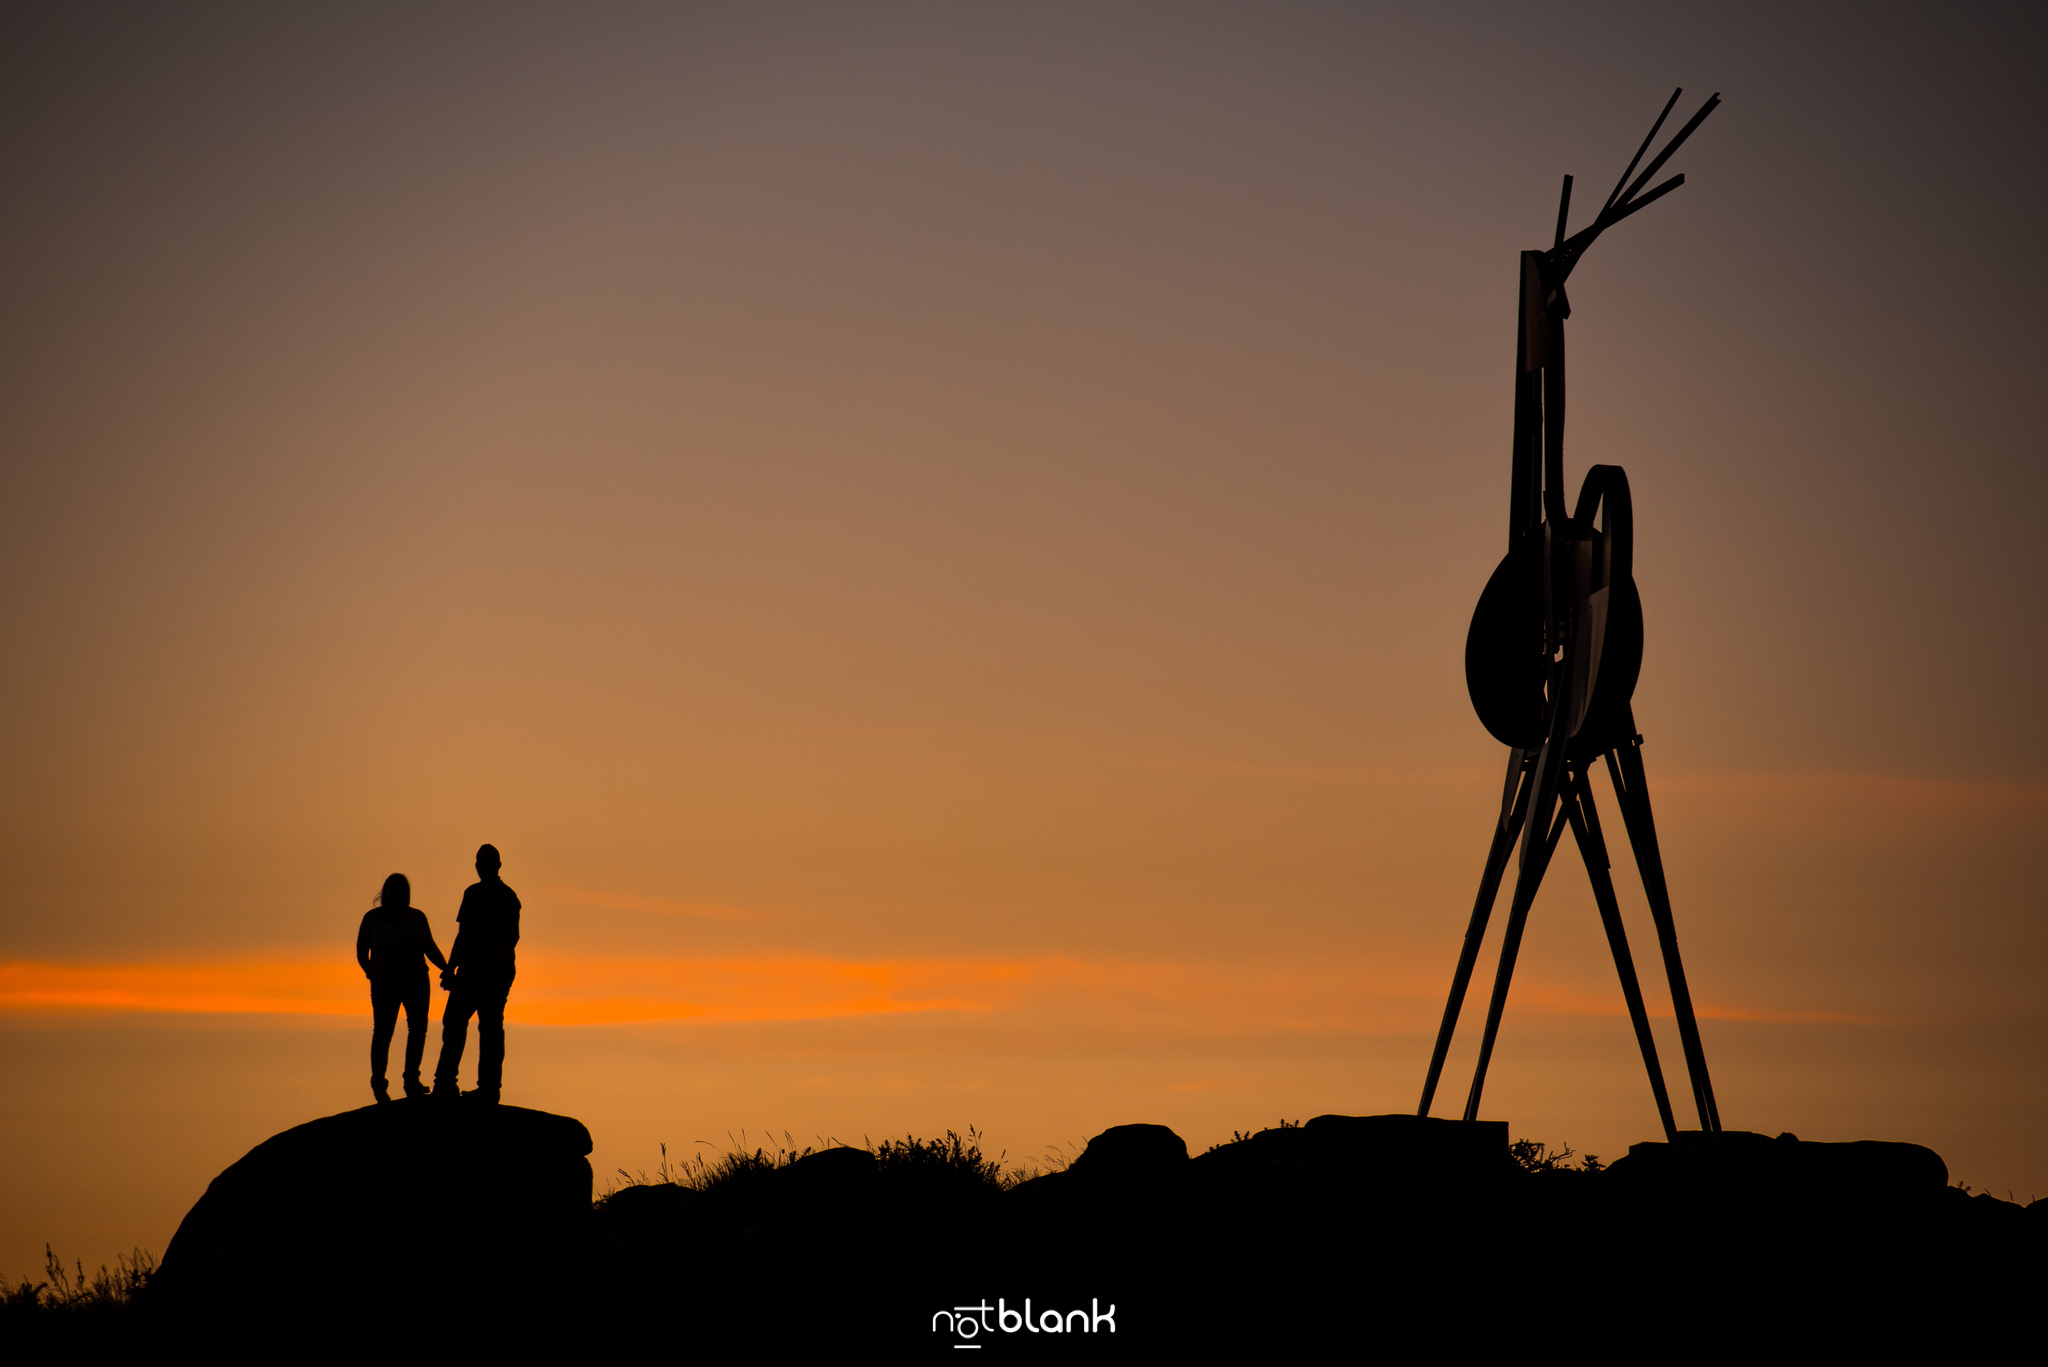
(363, 943)
(427, 939)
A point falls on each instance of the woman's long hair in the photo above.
(397, 894)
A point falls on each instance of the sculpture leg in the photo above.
(1631, 789)
(1537, 850)
(1514, 807)
(1578, 807)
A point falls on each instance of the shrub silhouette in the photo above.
(737, 1166)
(1534, 1157)
(954, 1160)
(1240, 1136)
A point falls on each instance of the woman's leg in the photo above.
(383, 1020)
(416, 998)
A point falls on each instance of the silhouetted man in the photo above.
(479, 979)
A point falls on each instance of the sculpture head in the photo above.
(1557, 639)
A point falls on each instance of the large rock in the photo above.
(381, 1207)
(1739, 1165)
(1391, 1154)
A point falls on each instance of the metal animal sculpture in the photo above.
(1551, 662)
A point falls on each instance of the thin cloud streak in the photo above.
(1553, 1000)
(1191, 998)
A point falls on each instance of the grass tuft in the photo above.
(1240, 1136)
(110, 1291)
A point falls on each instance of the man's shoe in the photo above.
(380, 1089)
(443, 1091)
(489, 1098)
(414, 1087)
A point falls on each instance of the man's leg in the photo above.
(454, 1037)
(416, 999)
(383, 1020)
(490, 1038)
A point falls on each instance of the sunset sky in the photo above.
(938, 539)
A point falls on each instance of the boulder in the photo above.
(1445, 1148)
(830, 1173)
(351, 1208)
(1123, 1152)
(1124, 1168)
(650, 1201)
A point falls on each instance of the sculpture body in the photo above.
(1551, 661)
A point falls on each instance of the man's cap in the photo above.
(488, 854)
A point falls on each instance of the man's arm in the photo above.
(363, 943)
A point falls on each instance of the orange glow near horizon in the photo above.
(551, 990)
(556, 989)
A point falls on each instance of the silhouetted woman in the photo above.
(393, 947)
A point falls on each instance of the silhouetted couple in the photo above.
(394, 947)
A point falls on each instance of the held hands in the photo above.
(447, 980)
